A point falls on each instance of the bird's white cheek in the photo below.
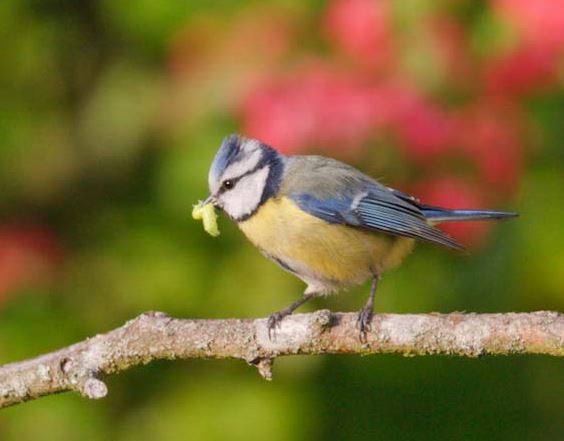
(245, 197)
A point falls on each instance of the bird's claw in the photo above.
(364, 322)
(273, 323)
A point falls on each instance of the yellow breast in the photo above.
(339, 255)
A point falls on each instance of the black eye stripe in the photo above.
(232, 182)
(238, 178)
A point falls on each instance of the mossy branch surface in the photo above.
(154, 335)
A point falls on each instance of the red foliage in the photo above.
(28, 254)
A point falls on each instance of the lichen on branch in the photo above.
(154, 335)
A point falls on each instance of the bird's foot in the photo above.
(274, 321)
(364, 322)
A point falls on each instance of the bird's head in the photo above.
(244, 174)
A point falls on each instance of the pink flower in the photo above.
(538, 22)
(489, 135)
(522, 71)
(535, 59)
(363, 30)
(315, 107)
(424, 130)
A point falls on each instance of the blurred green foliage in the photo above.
(110, 113)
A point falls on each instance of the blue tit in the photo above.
(322, 220)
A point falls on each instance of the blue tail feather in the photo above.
(436, 214)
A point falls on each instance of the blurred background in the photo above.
(110, 114)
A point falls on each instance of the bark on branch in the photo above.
(155, 335)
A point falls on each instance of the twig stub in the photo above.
(155, 335)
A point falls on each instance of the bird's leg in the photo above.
(366, 313)
(275, 319)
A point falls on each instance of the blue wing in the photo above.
(372, 211)
(340, 194)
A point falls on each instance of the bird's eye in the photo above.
(228, 185)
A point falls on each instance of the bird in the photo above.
(322, 220)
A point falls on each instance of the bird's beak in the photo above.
(211, 200)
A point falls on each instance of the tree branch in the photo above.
(154, 335)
